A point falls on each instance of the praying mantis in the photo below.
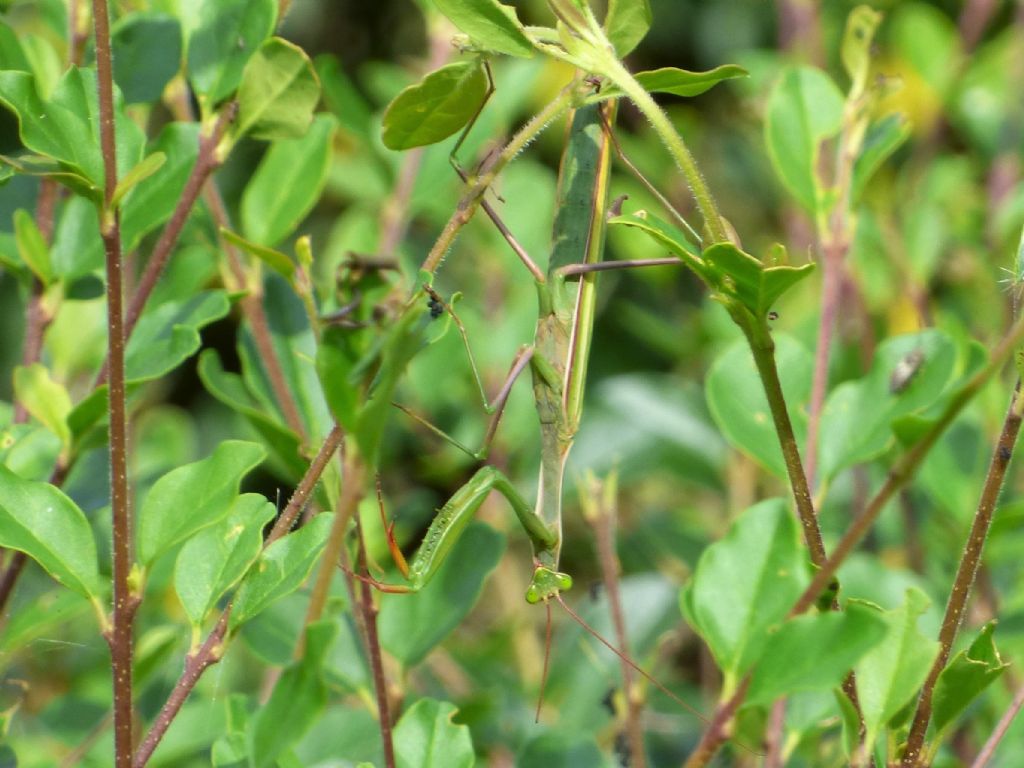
(557, 360)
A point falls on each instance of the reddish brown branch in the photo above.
(965, 575)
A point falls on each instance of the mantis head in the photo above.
(547, 583)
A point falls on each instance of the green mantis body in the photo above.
(558, 365)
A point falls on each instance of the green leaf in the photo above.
(167, 335)
(146, 53)
(858, 416)
(883, 138)
(667, 235)
(39, 520)
(229, 32)
(745, 278)
(856, 48)
(890, 674)
(739, 406)
(433, 109)
(342, 97)
(47, 400)
(928, 40)
(150, 165)
(217, 557)
(11, 54)
(277, 261)
(965, 677)
(278, 93)
(804, 108)
(65, 128)
(681, 82)
(32, 248)
(287, 184)
(281, 569)
(626, 23)
(426, 737)
(838, 640)
(192, 497)
(412, 626)
(746, 584)
(40, 617)
(297, 701)
(489, 24)
(558, 749)
(230, 389)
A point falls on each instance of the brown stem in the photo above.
(207, 161)
(602, 516)
(717, 733)
(965, 575)
(774, 736)
(764, 358)
(120, 636)
(252, 307)
(368, 609)
(208, 654)
(306, 485)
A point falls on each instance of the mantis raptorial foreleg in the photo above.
(451, 520)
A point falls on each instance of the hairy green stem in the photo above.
(965, 575)
(643, 100)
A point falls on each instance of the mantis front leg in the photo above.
(451, 521)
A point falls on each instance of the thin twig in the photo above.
(1000, 730)
(965, 574)
(368, 609)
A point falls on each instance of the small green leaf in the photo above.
(47, 400)
(410, 629)
(669, 236)
(146, 53)
(891, 673)
(229, 32)
(217, 557)
(739, 406)
(856, 49)
(744, 585)
(804, 108)
(433, 109)
(626, 23)
(167, 335)
(287, 184)
(489, 24)
(281, 569)
(150, 165)
(32, 247)
(681, 82)
(277, 261)
(192, 497)
(39, 520)
(883, 138)
(426, 737)
(838, 640)
(965, 677)
(296, 702)
(745, 278)
(278, 93)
